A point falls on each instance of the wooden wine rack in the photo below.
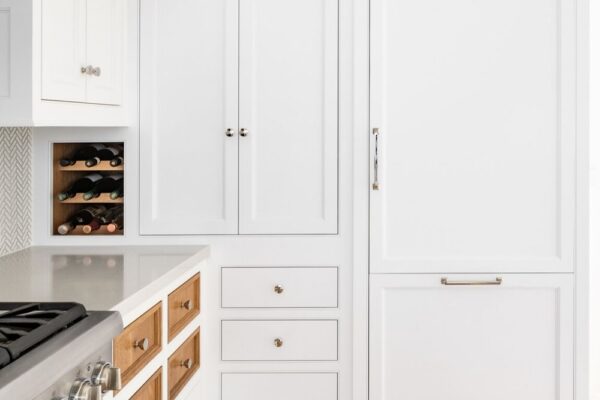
(64, 177)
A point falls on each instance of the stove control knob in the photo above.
(83, 389)
(106, 376)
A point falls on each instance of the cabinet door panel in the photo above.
(429, 341)
(105, 38)
(63, 50)
(188, 99)
(477, 144)
(289, 104)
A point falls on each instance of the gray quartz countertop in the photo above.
(100, 278)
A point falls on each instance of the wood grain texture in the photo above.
(152, 389)
(132, 359)
(180, 375)
(179, 317)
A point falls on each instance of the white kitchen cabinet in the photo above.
(64, 63)
(280, 134)
(476, 112)
(292, 386)
(511, 341)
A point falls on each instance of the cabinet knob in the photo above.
(96, 71)
(186, 363)
(278, 289)
(229, 132)
(142, 344)
(187, 305)
(87, 70)
(244, 132)
(278, 342)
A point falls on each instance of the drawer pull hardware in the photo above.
(142, 344)
(278, 342)
(244, 132)
(187, 363)
(496, 282)
(96, 71)
(278, 289)
(229, 132)
(87, 70)
(187, 305)
(375, 186)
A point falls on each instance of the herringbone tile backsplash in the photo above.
(15, 189)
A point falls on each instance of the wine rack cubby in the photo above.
(66, 174)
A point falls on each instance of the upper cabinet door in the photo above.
(188, 100)
(63, 50)
(289, 109)
(475, 105)
(105, 39)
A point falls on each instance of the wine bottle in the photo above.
(105, 185)
(80, 186)
(83, 153)
(115, 162)
(102, 219)
(116, 224)
(117, 192)
(81, 217)
(108, 153)
(92, 226)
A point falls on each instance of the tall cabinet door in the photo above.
(105, 39)
(188, 101)
(63, 50)
(431, 341)
(289, 112)
(475, 106)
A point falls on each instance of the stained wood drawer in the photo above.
(152, 389)
(305, 340)
(183, 364)
(292, 386)
(139, 343)
(184, 305)
(279, 287)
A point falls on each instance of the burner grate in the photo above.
(25, 325)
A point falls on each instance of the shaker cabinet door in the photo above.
(430, 341)
(475, 106)
(289, 108)
(188, 101)
(63, 50)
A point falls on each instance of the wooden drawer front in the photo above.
(280, 386)
(183, 364)
(144, 332)
(279, 340)
(184, 305)
(152, 389)
(279, 287)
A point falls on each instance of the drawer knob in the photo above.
(187, 305)
(186, 363)
(278, 289)
(278, 342)
(142, 344)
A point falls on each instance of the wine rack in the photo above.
(65, 176)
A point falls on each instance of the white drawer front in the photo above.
(279, 287)
(306, 340)
(280, 386)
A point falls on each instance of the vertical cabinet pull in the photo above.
(375, 186)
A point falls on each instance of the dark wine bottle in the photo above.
(83, 153)
(80, 186)
(115, 162)
(117, 222)
(92, 226)
(108, 153)
(105, 185)
(118, 192)
(81, 217)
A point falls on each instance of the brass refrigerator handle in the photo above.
(447, 282)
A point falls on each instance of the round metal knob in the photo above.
(142, 344)
(107, 376)
(278, 342)
(278, 289)
(83, 389)
(96, 71)
(244, 132)
(187, 305)
(229, 132)
(186, 363)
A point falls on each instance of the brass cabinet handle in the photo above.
(375, 185)
(142, 344)
(496, 282)
(187, 305)
(278, 342)
(187, 363)
(278, 289)
(244, 132)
